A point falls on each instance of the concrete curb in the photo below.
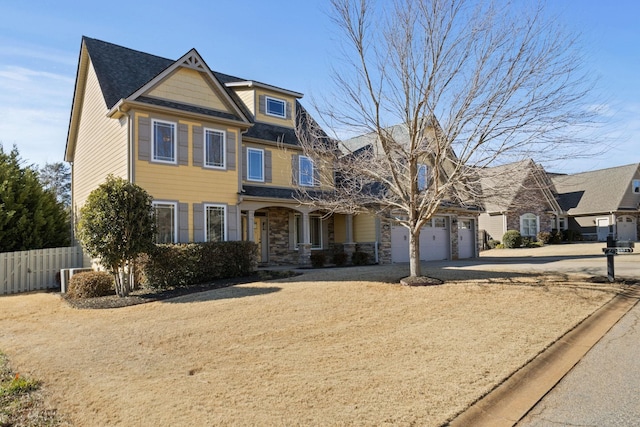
(514, 398)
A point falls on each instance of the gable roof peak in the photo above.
(193, 60)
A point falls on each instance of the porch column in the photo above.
(304, 248)
(349, 244)
(250, 219)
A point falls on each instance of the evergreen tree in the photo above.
(30, 217)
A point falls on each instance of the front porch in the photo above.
(289, 234)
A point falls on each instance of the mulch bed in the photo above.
(420, 281)
(142, 296)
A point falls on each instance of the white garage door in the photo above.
(627, 229)
(434, 241)
(466, 238)
(399, 244)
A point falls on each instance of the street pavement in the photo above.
(603, 389)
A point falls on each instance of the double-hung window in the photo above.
(215, 223)
(164, 141)
(306, 171)
(255, 164)
(529, 225)
(166, 224)
(315, 231)
(422, 177)
(276, 107)
(214, 148)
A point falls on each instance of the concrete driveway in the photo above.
(574, 258)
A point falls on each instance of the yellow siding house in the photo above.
(219, 154)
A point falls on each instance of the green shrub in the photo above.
(512, 239)
(90, 284)
(318, 259)
(556, 237)
(571, 236)
(360, 258)
(340, 258)
(493, 244)
(178, 265)
(544, 237)
(499, 246)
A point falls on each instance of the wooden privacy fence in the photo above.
(33, 270)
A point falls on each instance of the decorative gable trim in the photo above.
(193, 60)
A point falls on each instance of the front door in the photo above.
(261, 237)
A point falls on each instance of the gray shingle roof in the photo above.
(600, 191)
(506, 186)
(120, 70)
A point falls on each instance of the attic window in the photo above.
(276, 107)
(636, 186)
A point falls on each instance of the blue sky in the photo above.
(287, 43)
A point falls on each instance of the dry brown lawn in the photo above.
(309, 350)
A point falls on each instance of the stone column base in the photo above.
(304, 254)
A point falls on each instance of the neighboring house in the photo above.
(218, 154)
(451, 234)
(602, 202)
(518, 196)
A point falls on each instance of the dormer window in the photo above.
(276, 107)
(636, 186)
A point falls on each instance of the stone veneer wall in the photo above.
(280, 252)
(384, 247)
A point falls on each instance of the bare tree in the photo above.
(438, 89)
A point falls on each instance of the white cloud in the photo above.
(34, 106)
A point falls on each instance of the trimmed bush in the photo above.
(544, 237)
(340, 258)
(493, 243)
(512, 239)
(360, 258)
(318, 259)
(90, 284)
(556, 237)
(170, 266)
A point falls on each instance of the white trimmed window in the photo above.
(529, 225)
(164, 142)
(422, 176)
(255, 164)
(635, 187)
(562, 223)
(440, 222)
(276, 107)
(166, 223)
(315, 231)
(215, 217)
(214, 148)
(306, 171)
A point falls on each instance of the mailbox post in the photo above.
(610, 253)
